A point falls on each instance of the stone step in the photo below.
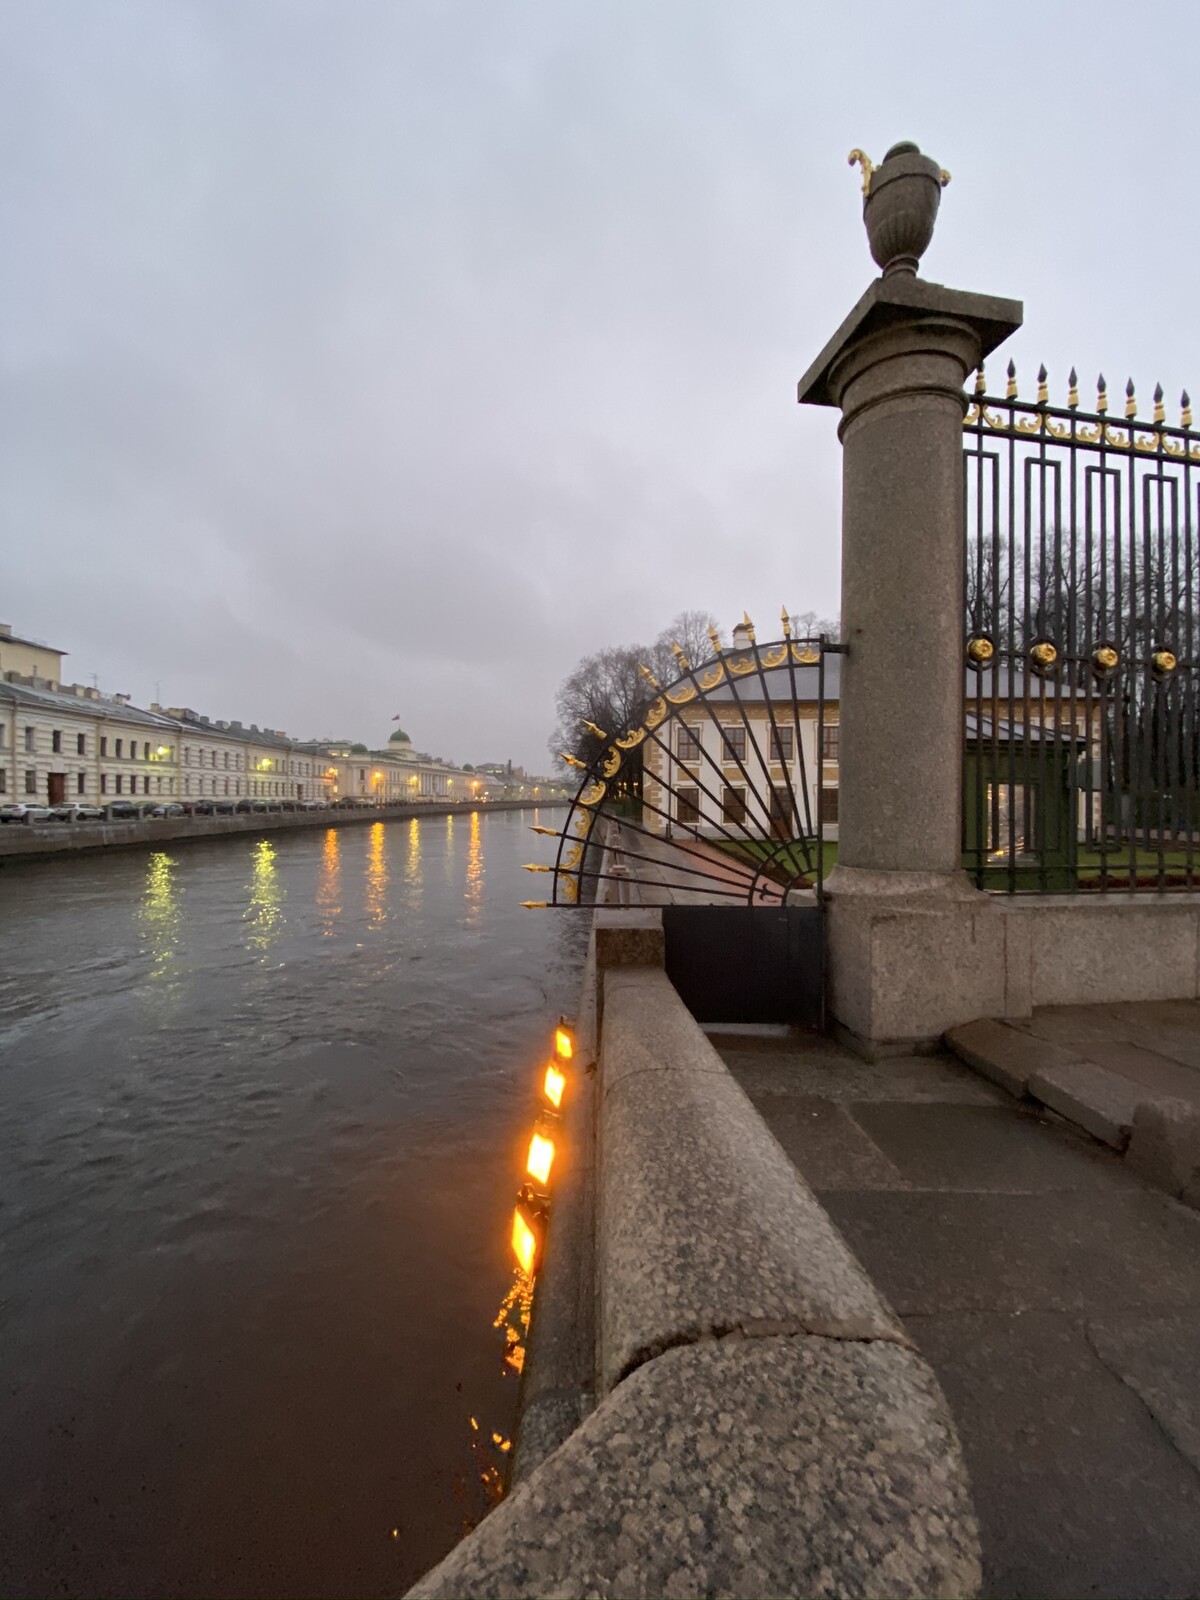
(1006, 1055)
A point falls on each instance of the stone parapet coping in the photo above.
(763, 1426)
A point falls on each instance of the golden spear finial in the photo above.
(1073, 390)
(1043, 398)
(648, 675)
(748, 625)
(1010, 392)
(573, 761)
(1130, 401)
(1185, 403)
(1101, 395)
(980, 380)
(599, 733)
(677, 652)
(714, 638)
(1160, 414)
(787, 623)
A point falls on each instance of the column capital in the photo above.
(906, 315)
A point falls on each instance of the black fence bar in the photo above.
(1081, 766)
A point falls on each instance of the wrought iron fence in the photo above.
(1081, 763)
(735, 799)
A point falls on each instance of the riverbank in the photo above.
(40, 841)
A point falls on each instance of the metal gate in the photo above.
(1082, 613)
(721, 798)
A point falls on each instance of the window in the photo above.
(56, 741)
(120, 746)
(3, 736)
(829, 742)
(104, 747)
(29, 739)
(104, 783)
(146, 751)
(118, 783)
(733, 805)
(781, 744)
(687, 805)
(80, 744)
(30, 781)
(829, 805)
(227, 765)
(783, 814)
(146, 784)
(3, 781)
(733, 745)
(80, 782)
(688, 744)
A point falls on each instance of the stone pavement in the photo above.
(1055, 1294)
(1128, 1074)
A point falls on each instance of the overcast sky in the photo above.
(364, 358)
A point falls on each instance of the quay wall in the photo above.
(21, 841)
(716, 1398)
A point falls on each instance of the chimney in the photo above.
(5, 630)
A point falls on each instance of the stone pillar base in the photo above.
(912, 954)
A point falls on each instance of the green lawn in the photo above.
(789, 859)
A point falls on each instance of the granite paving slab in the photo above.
(829, 1147)
(1148, 1068)
(981, 1148)
(825, 1070)
(1159, 1358)
(1079, 1491)
(1074, 1250)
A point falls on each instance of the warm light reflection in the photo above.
(513, 1316)
(264, 914)
(564, 1045)
(377, 875)
(540, 1159)
(329, 889)
(524, 1241)
(412, 868)
(553, 1085)
(160, 913)
(474, 890)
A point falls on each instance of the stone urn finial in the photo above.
(900, 204)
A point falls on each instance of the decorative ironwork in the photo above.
(734, 801)
(1082, 749)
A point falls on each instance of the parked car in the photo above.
(22, 811)
(74, 811)
(121, 810)
(250, 805)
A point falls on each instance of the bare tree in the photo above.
(810, 625)
(607, 692)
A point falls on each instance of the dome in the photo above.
(399, 737)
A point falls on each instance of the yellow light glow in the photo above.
(523, 1242)
(564, 1046)
(540, 1159)
(553, 1085)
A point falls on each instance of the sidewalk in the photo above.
(1055, 1293)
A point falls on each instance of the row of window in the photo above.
(162, 752)
(733, 806)
(782, 743)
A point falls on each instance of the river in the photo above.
(263, 1104)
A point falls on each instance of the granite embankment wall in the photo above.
(717, 1400)
(26, 841)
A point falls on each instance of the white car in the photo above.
(21, 811)
(76, 811)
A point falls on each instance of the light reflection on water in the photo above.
(329, 885)
(254, 1242)
(264, 914)
(377, 875)
(160, 914)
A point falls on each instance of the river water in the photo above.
(263, 1103)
